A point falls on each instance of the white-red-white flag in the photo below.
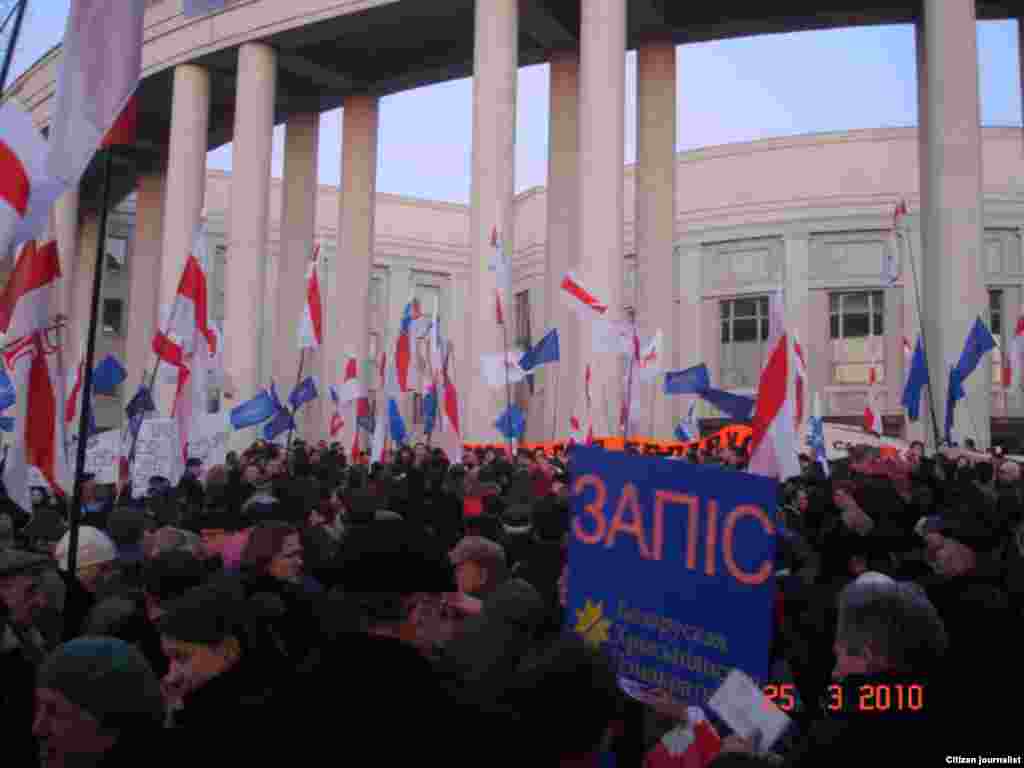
(76, 380)
(311, 334)
(101, 63)
(26, 191)
(650, 363)
(873, 410)
(579, 298)
(773, 443)
(799, 379)
(33, 360)
(501, 265)
(1013, 356)
(351, 387)
(188, 340)
(499, 370)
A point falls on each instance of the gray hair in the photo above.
(898, 622)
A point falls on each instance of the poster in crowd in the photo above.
(101, 459)
(671, 569)
(157, 453)
(209, 439)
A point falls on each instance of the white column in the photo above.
(298, 221)
(65, 226)
(144, 263)
(566, 376)
(601, 194)
(186, 185)
(687, 334)
(81, 301)
(354, 259)
(495, 62)
(797, 296)
(953, 286)
(655, 203)
(246, 258)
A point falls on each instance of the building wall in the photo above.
(809, 216)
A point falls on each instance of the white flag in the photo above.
(494, 368)
(101, 61)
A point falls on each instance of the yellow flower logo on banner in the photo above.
(591, 624)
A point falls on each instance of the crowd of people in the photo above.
(291, 604)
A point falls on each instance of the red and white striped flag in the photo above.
(351, 387)
(33, 360)
(650, 362)
(502, 268)
(800, 379)
(873, 411)
(579, 298)
(74, 395)
(694, 744)
(311, 334)
(188, 340)
(1013, 356)
(101, 62)
(773, 443)
(26, 191)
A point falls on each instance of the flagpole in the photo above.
(654, 393)
(15, 34)
(558, 389)
(90, 354)
(629, 389)
(924, 343)
(508, 385)
(298, 380)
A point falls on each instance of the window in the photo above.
(213, 404)
(857, 330)
(376, 287)
(114, 258)
(523, 337)
(112, 316)
(745, 329)
(429, 297)
(995, 324)
(417, 409)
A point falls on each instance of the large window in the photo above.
(376, 291)
(745, 329)
(113, 311)
(523, 337)
(857, 330)
(995, 324)
(117, 248)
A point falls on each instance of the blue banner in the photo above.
(672, 569)
(253, 412)
(7, 394)
(692, 381)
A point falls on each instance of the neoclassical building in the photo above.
(691, 244)
(810, 215)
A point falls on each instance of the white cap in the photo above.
(94, 547)
(874, 577)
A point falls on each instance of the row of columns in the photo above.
(584, 219)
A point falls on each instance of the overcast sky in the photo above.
(729, 91)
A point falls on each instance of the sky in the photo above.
(728, 91)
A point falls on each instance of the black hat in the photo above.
(394, 557)
(171, 574)
(46, 524)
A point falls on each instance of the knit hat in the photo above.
(106, 677)
(94, 547)
(207, 614)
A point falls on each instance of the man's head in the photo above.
(89, 692)
(97, 556)
(480, 565)
(1009, 474)
(21, 592)
(887, 626)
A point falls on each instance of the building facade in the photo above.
(809, 216)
